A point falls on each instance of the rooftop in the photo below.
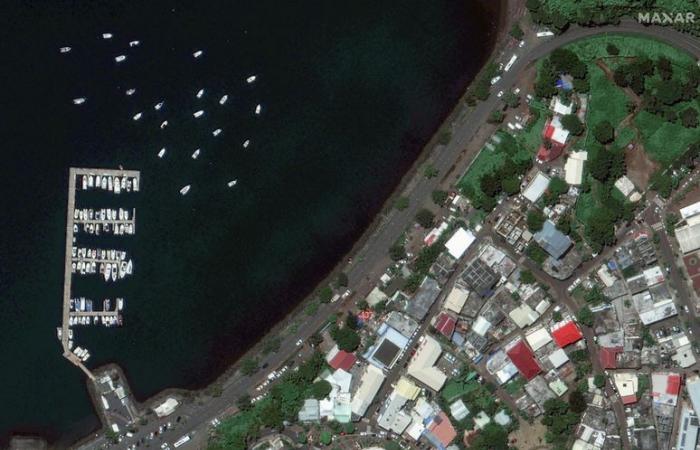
(552, 240)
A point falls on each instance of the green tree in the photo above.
(401, 203)
(349, 428)
(535, 220)
(689, 117)
(557, 187)
(425, 218)
(320, 389)
(572, 123)
(496, 116)
(612, 49)
(556, 316)
(325, 438)
(545, 85)
(604, 132)
(351, 321)
(440, 197)
(492, 437)
(249, 366)
(243, 402)
(664, 68)
(397, 251)
(271, 345)
(527, 277)
(669, 92)
(510, 185)
(341, 280)
(517, 32)
(430, 171)
(577, 402)
(599, 381)
(325, 294)
(346, 338)
(511, 99)
(585, 316)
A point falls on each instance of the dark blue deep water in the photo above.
(350, 90)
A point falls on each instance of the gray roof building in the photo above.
(552, 240)
(427, 293)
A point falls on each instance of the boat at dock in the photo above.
(108, 271)
(223, 99)
(120, 304)
(185, 190)
(106, 304)
(114, 271)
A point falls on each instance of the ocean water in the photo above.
(350, 92)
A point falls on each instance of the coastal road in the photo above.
(374, 253)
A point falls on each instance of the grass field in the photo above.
(607, 101)
(595, 47)
(584, 206)
(664, 141)
(455, 389)
(624, 136)
(532, 138)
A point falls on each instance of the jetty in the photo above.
(111, 180)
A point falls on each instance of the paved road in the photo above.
(375, 251)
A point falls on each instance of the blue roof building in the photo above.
(552, 240)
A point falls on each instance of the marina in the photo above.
(110, 264)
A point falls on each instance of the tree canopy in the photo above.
(572, 123)
(604, 132)
(425, 218)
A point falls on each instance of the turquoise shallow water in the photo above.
(350, 93)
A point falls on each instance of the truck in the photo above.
(510, 63)
(182, 441)
(545, 33)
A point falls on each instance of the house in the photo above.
(370, 382)
(627, 386)
(665, 387)
(422, 365)
(523, 358)
(625, 185)
(566, 332)
(688, 432)
(424, 298)
(392, 417)
(389, 346)
(538, 338)
(440, 431)
(608, 356)
(537, 187)
(445, 324)
(552, 240)
(457, 298)
(460, 241)
(340, 359)
(560, 108)
(574, 167)
(310, 411)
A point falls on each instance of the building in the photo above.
(457, 298)
(375, 297)
(688, 233)
(166, 408)
(537, 187)
(340, 359)
(560, 108)
(422, 365)
(435, 234)
(688, 429)
(480, 277)
(310, 411)
(538, 338)
(424, 298)
(392, 417)
(445, 324)
(608, 356)
(371, 381)
(460, 241)
(523, 315)
(458, 409)
(440, 431)
(665, 387)
(523, 358)
(574, 167)
(552, 240)
(625, 185)
(627, 386)
(390, 344)
(566, 333)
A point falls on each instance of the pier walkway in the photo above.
(73, 174)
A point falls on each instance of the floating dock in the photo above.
(131, 180)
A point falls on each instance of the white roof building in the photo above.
(690, 210)
(538, 338)
(523, 315)
(688, 237)
(481, 326)
(460, 241)
(688, 429)
(574, 167)
(370, 383)
(422, 365)
(558, 358)
(166, 408)
(605, 276)
(560, 108)
(560, 134)
(375, 297)
(456, 299)
(459, 410)
(537, 187)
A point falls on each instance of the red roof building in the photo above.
(441, 428)
(608, 357)
(445, 324)
(629, 399)
(340, 359)
(524, 360)
(566, 333)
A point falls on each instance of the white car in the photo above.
(521, 44)
(500, 94)
(495, 80)
(299, 342)
(215, 422)
(516, 91)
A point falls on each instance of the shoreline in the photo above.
(230, 375)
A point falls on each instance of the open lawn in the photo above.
(664, 141)
(595, 47)
(455, 389)
(585, 206)
(607, 101)
(624, 136)
(531, 138)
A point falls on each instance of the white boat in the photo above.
(200, 93)
(91, 181)
(258, 109)
(120, 304)
(137, 116)
(123, 183)
(161, 153)
(117, 186)
(110, 184)
(129, 267)
(246, 143)
(198, 53)
(158, 106)
(120, 58)
(198, 114)
(136, 184)
(185, 190)
(104, 182)
(114, 271)
(196, 153)
(134, 43)
(107, 35)
(108, 271)
(216, 132)
(164, 124)
(98, 180)
(79, 100)
(232, 183)
(131, 91)
(223, 100)
(85, 183)
(65, 49)
(251, 79)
